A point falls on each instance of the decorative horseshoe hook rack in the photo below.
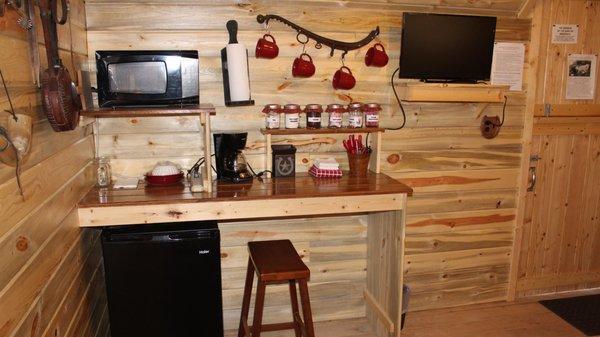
(320, 40)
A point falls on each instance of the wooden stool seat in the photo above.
(275, 262)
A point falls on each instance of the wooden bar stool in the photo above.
(276, 262)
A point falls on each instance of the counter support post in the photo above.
(268, 156)
(385, 259)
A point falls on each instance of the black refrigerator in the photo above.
(164, 280)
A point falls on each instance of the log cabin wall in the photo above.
(51, 280)
(461, 218)
(559, 242)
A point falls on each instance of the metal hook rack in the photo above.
(320, 40)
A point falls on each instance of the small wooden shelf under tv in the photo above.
(451, 92)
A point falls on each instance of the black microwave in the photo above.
(147, 78)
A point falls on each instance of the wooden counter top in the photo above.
(270, 198)
(302, 186)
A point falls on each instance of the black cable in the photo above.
(197, 164)
(504, 110)
(399, 102)
(259, 174)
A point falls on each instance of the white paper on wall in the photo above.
(565, 34)
(507, 65)
(581, 76)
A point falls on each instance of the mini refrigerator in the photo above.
(164, 280)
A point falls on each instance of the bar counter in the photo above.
(301, 195)
(380, 198)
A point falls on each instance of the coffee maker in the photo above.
(229, 159)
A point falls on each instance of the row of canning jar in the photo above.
(359, 115)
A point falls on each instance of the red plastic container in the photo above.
(164, 180)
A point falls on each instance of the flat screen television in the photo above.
(447, 48)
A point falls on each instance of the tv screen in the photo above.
(438, 47)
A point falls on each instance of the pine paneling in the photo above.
(51, 279)
(557, 243)
(459, 177)
(561, 234)
(553, 59)
(334, 248)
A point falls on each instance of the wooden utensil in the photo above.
(60, 99)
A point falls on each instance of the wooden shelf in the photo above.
(202, 112)
(304, 131)
(451, 92)
(151, 111)
(375, 163)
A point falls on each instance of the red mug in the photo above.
(303, 67)
(343, 79)
(266, 48)
(376, 57)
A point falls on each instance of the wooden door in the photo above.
(560, 247)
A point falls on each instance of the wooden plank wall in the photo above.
(561, 240)
(461, 217)
(553, 59)
(51, 279)
(560, 237)
(334, 248)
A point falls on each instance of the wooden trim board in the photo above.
(532, 73)
(566, 125)
(568, 110)
(383, 316)
(150, 112)
(549, 281)
(243, 209)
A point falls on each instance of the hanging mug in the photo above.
(266, 47)
(376, 57)
(302, 66)
(343, 79)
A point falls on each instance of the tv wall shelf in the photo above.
(451, 92)
(374, 164)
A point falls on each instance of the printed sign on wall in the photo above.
(507, 65)
(565, 34)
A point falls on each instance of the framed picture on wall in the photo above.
(581, 76)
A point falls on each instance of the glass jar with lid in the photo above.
(355, 115)
(272, 115)
(313, 116)
(336, 113)
(371, 112)
(292, 116)
(103, 173)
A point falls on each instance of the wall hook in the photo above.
(321, 40)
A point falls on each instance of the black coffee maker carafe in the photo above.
(229, 159)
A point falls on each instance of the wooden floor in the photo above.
(489, 320)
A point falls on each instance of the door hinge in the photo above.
(547, 110)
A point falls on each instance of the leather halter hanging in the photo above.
(60, 100)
